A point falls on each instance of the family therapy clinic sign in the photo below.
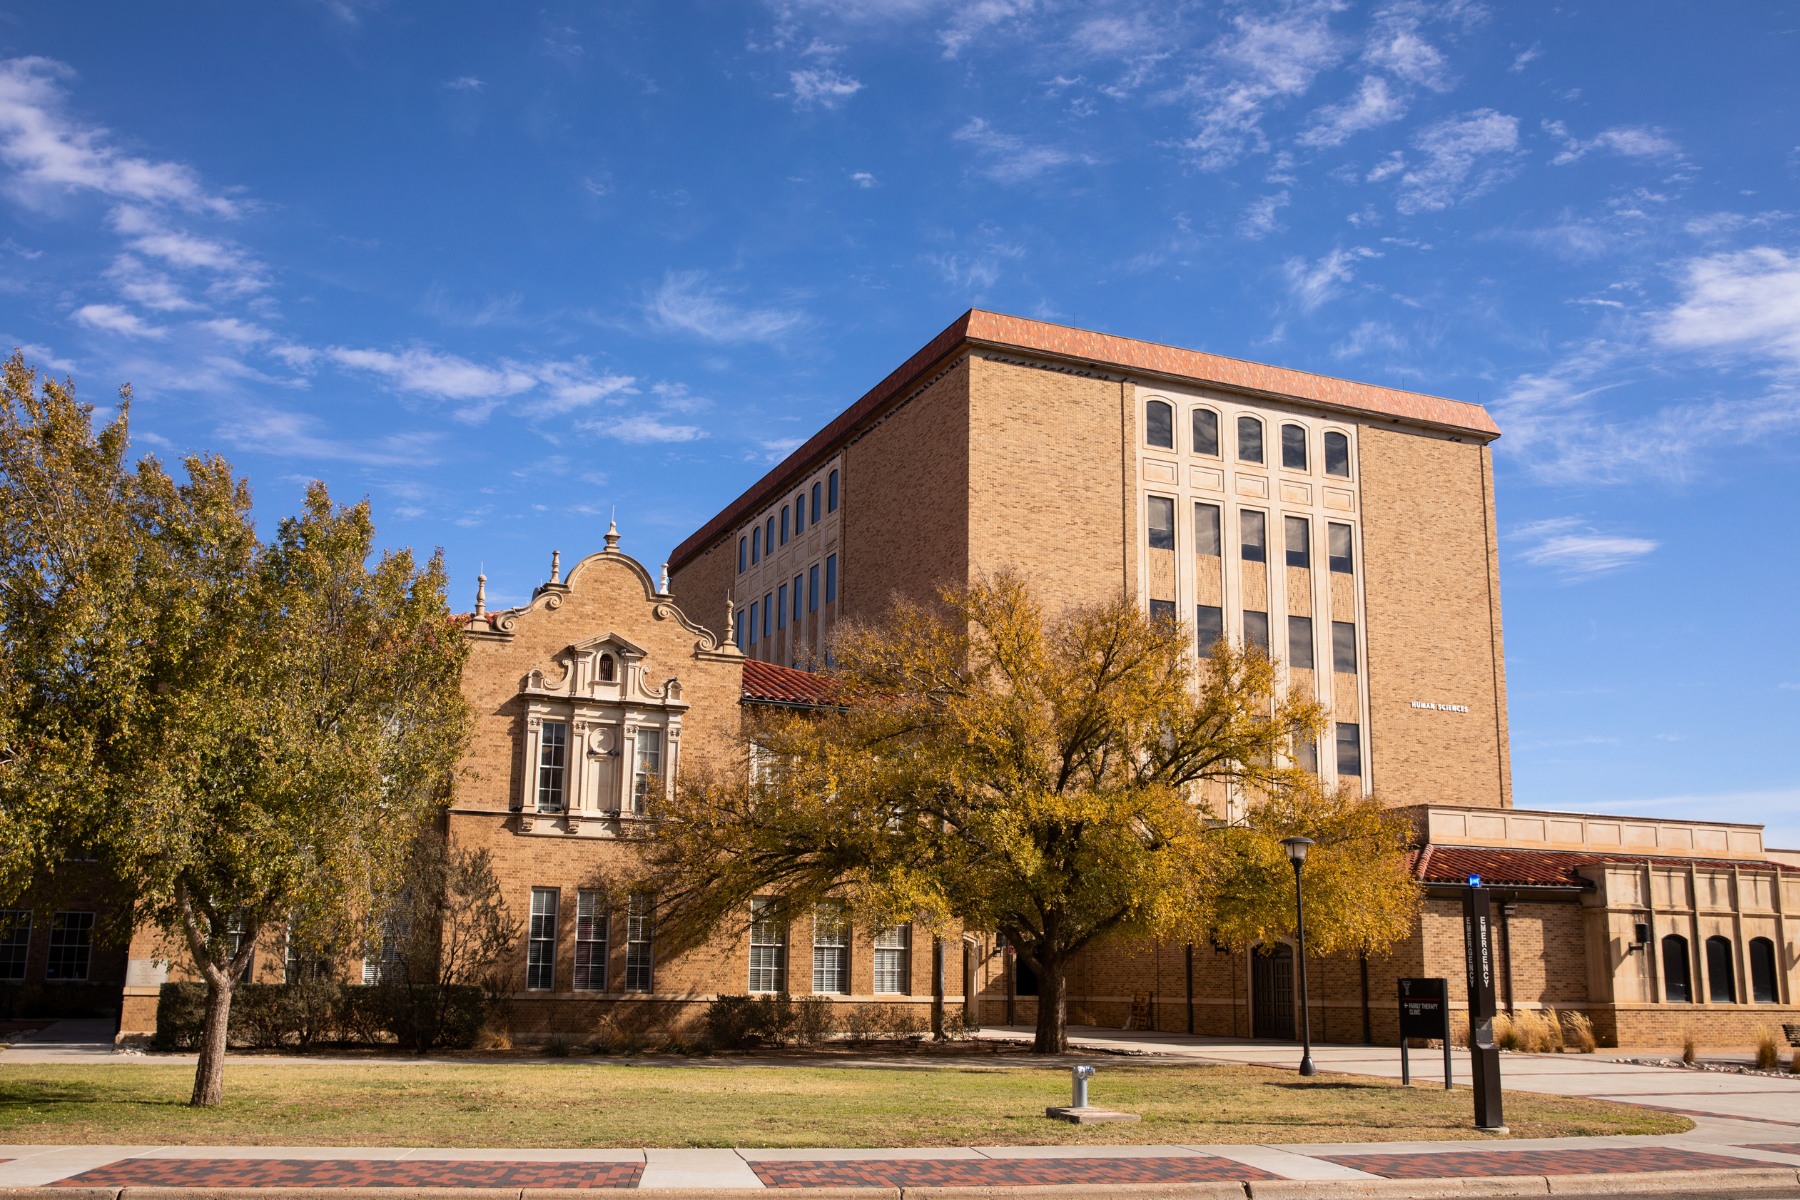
(1478, 960)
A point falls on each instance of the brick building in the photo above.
(1346, 528)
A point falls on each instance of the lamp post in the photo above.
(1296, 848)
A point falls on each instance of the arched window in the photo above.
(1293, 447)
(1676, 986)
(831, 492)
(1250, 440)
(1762, 972)
(1721, 980)
(799, 514)
(603, 670)
(743, 554)
(1206, 432)
(815, 503)
(756, 545)
(1337, 455)
(1159, 424)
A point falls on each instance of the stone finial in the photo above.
(556, 566)
(612, 536)
(663, 587)
(480, 594)
(730, 620)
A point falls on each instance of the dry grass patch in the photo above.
(582, 1103)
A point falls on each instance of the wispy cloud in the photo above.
(690, 303)
(300, 436)
(1397, 47)
(822, 87)
(1008, 158)
(1374, 105)
(971, 19)
(1629, 141)
(642, 428)
(465, 83)
(110, 318)
(1747, 301)
(1313, 283)
(1463, 157)
(426, 373)
(1259, 219)
(1263, 59)
(1574, 550)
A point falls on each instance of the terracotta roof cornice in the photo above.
(996, 331)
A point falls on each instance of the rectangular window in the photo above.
(234, 942)
(590, 941)
(781, 607)
(1300, 643)
(831, 950)
(1162, 610)
(1209, 627)
(831, 492)
(756, 545)
(1343, 647)
(738, 633)
(1256, 629)
(1349, 749)
(1299, 541)
(1206, 530)
(646, 774)
(784, 524)
(1306, 753)
(796, 600)
(768, 616)
(815, 504)
(1253, 535)
(540, 946)
(768, 947)
(753, 605)
(1161, 514)
(812, 589)
(553, 765)
(393, 935)
(830, 578)
(15, 943)
(743, 554)
(799, 514)
(1339, 537)
(639, 945)
(893, 966)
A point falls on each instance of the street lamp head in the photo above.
(1296, 848)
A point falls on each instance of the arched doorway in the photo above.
(1272, 992)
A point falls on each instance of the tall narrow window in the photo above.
(1162, 523)
(1349, 749)
(1293, 447)
(768, 612)
(1721, 980)
(553, 766)
(1256, 629)
(1206, 432)
(812, 588)
(753, 605)
(603, 669)
(830, 578)
(1162, 610)
(1253, 535)
(1762, 972)
(1306, 753)
(743, 554)
(893, 970)
(768, 947)
(640, 947)
(1343, 647)
(1250, 432)
(799, 514)
(781, 607)
(831, 949)
(540, 944)
(815, 503)
(796, 599)
(1159, 425)
(784, 524)
(15, 943)
(1209, 627)
(738, 633)
(1299, 541)
(647, 770)
(1342, 560)
(1677, 974)
(831, 492)
(590, 941)
(756, 545)
(1206, 529)
(769, 536)
(1337, 455)
(1300, 643)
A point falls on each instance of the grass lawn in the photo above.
(602, 1103)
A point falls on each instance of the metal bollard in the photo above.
(1078, 1079)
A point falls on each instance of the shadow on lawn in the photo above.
(19, 1099)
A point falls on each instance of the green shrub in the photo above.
(180, 1016)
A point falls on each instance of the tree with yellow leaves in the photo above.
(1041, 775)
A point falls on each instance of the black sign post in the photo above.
(1478, 958)
(1424, 1013)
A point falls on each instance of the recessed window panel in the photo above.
(1206, 432)
(1206, 529)
(1162, 611)
(831, 579)
(1256, 629)
(1349, 749)
(743, 554)
(1300, 643)
(756, 545)
(781, 607)
(1721, 983)
(1293, 447)
(815, 502)
(1298, 532)
(1161, 512)
(1159, 425)
(1209, 627)
(831, 492)
(1337, 455)
(1343, 647)
(1677, 975)
(1250, 440)
(1343, 560)
(784, 524)
(799, 514)
(1253, 535)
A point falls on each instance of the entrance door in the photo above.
(1272, 992)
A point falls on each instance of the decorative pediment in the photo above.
(608, 669)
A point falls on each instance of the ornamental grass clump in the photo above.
(1768, 1055)
(1581, 1032)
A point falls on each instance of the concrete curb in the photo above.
(1745, 1181)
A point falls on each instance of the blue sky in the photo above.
(503, 268)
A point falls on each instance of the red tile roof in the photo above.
(1541, 868)
(978, 327)
(766, 683)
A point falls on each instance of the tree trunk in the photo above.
(1052, 1007)
(209, 1075)
(937, 990)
